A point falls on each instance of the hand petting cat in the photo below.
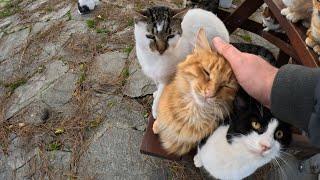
(254, 74)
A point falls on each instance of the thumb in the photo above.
(232, 54)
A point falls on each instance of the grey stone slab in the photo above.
(12, 42)
(114, 154)
(29, 92)
(35, 5)
(117, 111)
(137, 84)
(55, 15)
(61, 91)
(58, 162)
(109, 66)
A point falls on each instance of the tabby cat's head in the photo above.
(208, 74)
(162, 26)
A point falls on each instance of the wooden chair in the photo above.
(291, 44)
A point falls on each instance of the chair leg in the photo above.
(282, 59)
(241, 14)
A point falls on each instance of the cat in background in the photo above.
(165, 36)
(251, 139)
(313, 33)
(197, 100)
(86, 6)
(209, 5)
(269, 21)
(297, 9)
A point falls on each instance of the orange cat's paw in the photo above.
(293, 17)
(285, 11)
(311, 43)
(155, 127)
(316, 49)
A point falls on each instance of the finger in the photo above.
(232, 54)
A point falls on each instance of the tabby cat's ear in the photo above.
(202, 41)
(140, 16)
(179, 13)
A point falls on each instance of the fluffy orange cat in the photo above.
(313, 33)
(197, 100)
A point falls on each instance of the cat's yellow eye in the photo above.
(279, 134)
(256, 125)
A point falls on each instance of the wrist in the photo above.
(268, 86)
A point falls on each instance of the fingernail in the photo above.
(217, 40)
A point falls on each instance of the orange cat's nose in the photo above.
(208, 94)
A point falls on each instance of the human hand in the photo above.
(254, 74)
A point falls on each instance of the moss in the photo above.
(91, 23)
(246, 37)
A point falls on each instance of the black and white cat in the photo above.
(165, 36)
(86, 6)
(251, 139)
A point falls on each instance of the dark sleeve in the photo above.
(293, 94)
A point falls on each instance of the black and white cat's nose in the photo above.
(265, 147)
(83, 9)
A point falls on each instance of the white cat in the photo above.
(86, 6)
(164, 37)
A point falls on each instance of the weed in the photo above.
(128, 49)
(69, 15)
(49, 9)
(91, 23)
(54, 146)
(82, 77)
(130, 22)
(102, 31)
(13, 86)
(41, 69)
(125, 73)
(110, 104)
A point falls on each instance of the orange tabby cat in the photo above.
(313, 33)
(197, 100)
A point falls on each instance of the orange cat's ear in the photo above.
(202, 41)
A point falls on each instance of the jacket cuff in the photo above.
(292, 94)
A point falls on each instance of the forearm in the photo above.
(292, 95)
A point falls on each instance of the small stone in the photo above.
(21, 125)
(141, 128)
(45, 114)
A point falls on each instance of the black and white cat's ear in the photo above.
(140, 16)
(202, 41)
(179, 13)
